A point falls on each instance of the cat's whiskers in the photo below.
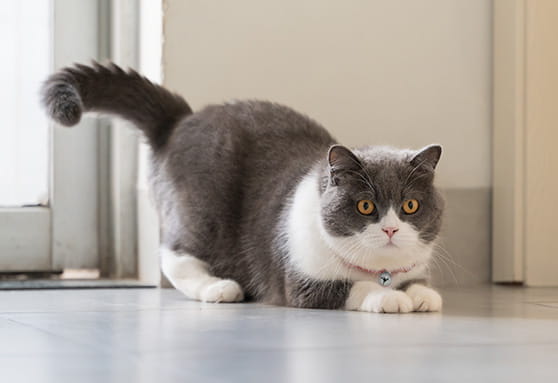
(436, 263)
(333, 260)
(357, 252)
(429, 268)
(435, 257)
(445, 255)
(349, 249)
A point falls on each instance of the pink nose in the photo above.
(390, 231)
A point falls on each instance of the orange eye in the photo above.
(365, 207)
(410, 206)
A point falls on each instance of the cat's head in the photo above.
(379, 206)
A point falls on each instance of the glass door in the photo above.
(48, 174)
(24, 135)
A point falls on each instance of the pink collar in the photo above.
(378, 272)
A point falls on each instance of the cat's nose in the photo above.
(390, 231)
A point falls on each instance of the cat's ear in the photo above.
(341, 162)
(428, 157)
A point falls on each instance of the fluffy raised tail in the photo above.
(109, 89)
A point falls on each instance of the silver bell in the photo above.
(384, 279)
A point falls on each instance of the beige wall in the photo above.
(399, 72)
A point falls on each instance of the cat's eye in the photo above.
(410, 206)
(365, 207)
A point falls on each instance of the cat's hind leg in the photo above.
(192, 277)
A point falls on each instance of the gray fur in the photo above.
(223, 177)
(109, 89)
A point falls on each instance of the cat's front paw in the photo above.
(387, 301)
(222, 290)
(424, 298)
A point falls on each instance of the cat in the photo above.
(258, 202)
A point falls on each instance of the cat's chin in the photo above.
(390, 245)
(390, 249)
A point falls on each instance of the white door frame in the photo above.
(123, 150)
(508, 141)
(525, 159)
(150, 64)
(74, 167)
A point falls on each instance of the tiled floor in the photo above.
(136, 335)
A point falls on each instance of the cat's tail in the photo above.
(109, 89)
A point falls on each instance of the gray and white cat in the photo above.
(259, 202)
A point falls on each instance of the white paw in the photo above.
(387, 301)
(424, 298)
(223, 290)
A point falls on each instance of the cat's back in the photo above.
(265, 135)
(254, 119)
